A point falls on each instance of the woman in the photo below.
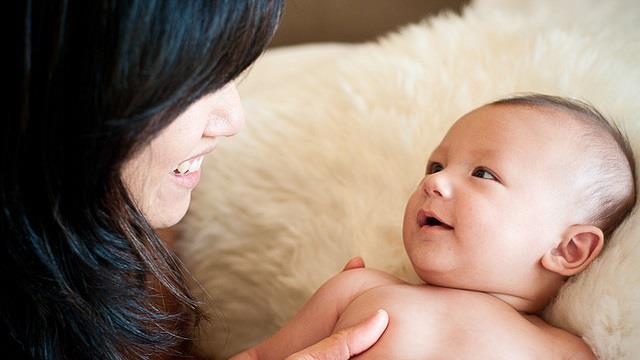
(116, 103)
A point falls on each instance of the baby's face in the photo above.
(496, 196)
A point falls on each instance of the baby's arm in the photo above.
(317, 318)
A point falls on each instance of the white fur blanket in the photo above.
(338, 136)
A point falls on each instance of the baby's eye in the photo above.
(434, 167)
(484, 174)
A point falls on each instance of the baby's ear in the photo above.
(580, 245)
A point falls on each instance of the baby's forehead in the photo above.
(522, 116)
(518, 141)
(589, 152)
(511, 126)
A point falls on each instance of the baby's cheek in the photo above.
(412, 207)
(479, 218)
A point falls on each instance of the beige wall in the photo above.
(351, 20)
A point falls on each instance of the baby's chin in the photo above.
(437, 270)
(448, 279)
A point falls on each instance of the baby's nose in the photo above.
(437, 185)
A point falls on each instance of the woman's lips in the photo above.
(211, 146)
(187, 175)
(187, 166)
(188, 181)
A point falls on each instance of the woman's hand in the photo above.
(314, 321)
(351, 341)
(348, 342)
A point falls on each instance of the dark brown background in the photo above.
(352, 20)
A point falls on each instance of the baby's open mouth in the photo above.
(431, 221)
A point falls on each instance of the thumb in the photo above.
(354, 263)
(347, 342)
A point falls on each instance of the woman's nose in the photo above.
(437, 185)
(227, 115)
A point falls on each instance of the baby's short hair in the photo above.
(612, 195)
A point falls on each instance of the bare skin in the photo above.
(162, 175)
(430, 322)
(492, 230)
(427, 322)
(345, 343)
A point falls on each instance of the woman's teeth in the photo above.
(189, 166)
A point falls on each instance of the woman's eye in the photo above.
(484, 174)
(434, 168)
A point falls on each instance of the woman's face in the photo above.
(161, 176)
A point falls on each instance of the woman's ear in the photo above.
(580, 245)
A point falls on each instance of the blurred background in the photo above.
(306, 21)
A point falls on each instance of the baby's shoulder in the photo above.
(564, 344)
(350, 284)
(457, 323)
(364, 278)
(523, 336)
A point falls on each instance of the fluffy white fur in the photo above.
(338, 136)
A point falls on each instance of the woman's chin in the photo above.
(169, 214)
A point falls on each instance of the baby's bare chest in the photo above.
(435, 323)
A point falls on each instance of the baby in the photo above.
(520, 195)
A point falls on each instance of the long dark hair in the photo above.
(94, 81)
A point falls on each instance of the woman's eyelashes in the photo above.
(479, 172)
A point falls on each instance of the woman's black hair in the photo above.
(93, 82)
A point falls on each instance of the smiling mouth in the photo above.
(189, 166)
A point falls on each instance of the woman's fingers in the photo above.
(354, 263)
(348, 342)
